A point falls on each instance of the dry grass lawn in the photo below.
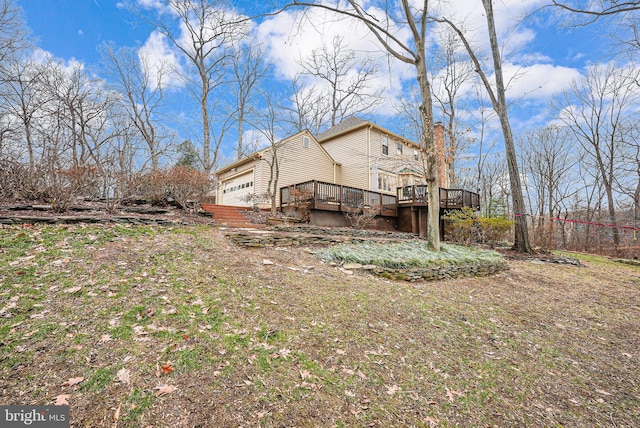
(176, 327)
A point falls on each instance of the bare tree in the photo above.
(456, 72)
(599, 8)
(13, 31)
(499, 102)
(308, 108)
(548, 159)
(596, 111)
(267, 127)
(414, 18)
(141, 92)
(249, 66)
(205, 37)
(620, 14)
(628, 181)
(24, 100)
(347, 78)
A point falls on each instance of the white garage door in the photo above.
(236, 187)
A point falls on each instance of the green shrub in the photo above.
(466, 226)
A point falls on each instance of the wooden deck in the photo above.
(449, 198)
(333, 197)
(319, 195)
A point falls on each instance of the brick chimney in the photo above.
(438, 134)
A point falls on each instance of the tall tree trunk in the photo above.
(426, 111)
(206, 134)
(521, 239)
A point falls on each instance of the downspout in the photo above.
(369, 157)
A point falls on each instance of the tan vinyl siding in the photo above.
(390, 165)
(298, 163)
(351, 151)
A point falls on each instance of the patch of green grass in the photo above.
(407, 254)
(99, 380)
(193, 358)
(589, 258)
(137, 403)
(122, 332)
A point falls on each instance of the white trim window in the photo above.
(306, 142)
(385, 145)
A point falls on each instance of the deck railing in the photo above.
(449, 198)
(334, 197)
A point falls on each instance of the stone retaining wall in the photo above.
(250, 240)
(436, 273)
(86, 219)
(288, 240)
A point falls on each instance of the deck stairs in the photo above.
(228, 215)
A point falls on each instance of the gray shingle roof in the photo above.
(348, 123)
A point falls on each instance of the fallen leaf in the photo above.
(305, 374)
(62, 400)
(166, 369)
(392, 389)
(73, 289)
(283, 353)
(139, 330)
(123, 376)
(116, 416)
(340, 352)
(349, 393)
(432, 422)
(73, 381)
(451, 393)
(600, 391)
(105, 338)
(31, 333)
(164, 389)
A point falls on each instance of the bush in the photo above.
(187, 186)
(466, 227)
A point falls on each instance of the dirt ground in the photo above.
(145, 326)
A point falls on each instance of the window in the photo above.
(399, 148)
(415, 155)
(306, 142)
(385, 145)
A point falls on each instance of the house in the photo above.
(352, 167)
(297, 158)
(355, 153)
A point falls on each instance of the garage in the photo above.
(234, 188)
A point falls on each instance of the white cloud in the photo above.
(162, 61)
(292, 36)
(537, 81)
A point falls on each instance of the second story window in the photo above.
(306, 142)
(415, 155)
(385, 145)
(399, 148)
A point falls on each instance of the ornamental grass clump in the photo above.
(409, 254)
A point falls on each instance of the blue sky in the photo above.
(544, 54)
